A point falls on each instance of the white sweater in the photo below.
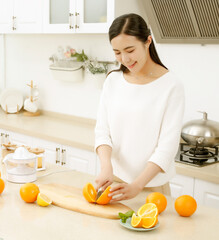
(141, 123)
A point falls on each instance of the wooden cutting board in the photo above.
(71, 198)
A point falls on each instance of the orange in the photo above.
(148, 210)
(104, 198)
(149, 222)
(29, 192)
(159, 199)
(90, 194)
(136, 221)
(185, 205)
(2, 185)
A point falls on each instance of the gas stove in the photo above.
(196, 155)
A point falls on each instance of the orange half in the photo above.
(89, 193)
(148, 210)
(149, 222)
(104, 198)
(136, 221)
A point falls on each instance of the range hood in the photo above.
(183, 21)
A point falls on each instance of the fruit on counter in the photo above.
(148, 210)
(149, 222)
(2, 185)
(89, 193)
(185, 205)
(43, 200)
(147, 216)
(136, 221)
(29, 192)
(159, 199)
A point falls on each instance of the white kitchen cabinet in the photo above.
(181, 185)
(74, 158)
(78, 16)
(206, 193)
(6, 15)
(23, 16)
(80, 160)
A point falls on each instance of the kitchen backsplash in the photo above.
(27, 58)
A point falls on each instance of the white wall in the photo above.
(27, 58)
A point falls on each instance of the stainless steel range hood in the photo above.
(183, 21)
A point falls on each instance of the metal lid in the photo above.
(202, 127)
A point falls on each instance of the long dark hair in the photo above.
(133, 25)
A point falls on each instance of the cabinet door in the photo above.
(20, 139)
(28, 16)
(94, 16)
(206, 193)
(180, 185)
(50, 149)
(80, 160)
(6, 15)
(58, 16)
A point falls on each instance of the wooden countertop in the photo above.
(79, 132)
(23, 221)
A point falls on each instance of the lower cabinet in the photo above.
(206, 193)
(74, 158)
(181, 185)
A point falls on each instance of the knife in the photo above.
(99, 192)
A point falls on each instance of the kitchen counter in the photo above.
(23, 221)
(79, 132)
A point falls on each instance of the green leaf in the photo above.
(129, 213)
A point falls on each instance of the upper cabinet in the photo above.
(78, 16)
(23, 16)
(62, 16)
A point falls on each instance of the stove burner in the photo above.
(198, 156)
(199, 151)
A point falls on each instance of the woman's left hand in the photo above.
(124, 191)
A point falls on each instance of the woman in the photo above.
(140, 114)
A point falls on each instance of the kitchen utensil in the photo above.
(11, 100)
(71, 198)
(21, 166)
(201, 132)
(128, 225)
(99, 192)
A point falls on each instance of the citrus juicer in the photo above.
(21, 166)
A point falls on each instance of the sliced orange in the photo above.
(89, 193)
(104, 198)
(148, 210)
(136, 221)
(149, 222)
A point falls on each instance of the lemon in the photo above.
(43, 200)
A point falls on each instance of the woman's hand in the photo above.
(124, 191)
(104, 179)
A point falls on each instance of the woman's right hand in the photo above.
(104, 179)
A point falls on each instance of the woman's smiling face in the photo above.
(130, 52)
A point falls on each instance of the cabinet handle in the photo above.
(63, 157)
(2, 138)
(57, 155)
(77, 20)
(71, 19)
(14, 23)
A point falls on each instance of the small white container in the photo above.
(70, 74)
